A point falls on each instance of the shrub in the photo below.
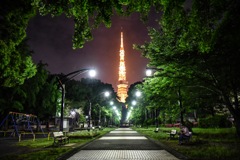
(217, 121)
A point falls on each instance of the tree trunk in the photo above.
(180, 105)
(237, 124)
(236, 114)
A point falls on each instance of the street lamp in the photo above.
(92, 73)
(149, 72)
(106, 94)
(138, 93)
(134, 102)
(115, 112)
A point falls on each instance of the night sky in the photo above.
(51, 40)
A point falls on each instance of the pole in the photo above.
(62, 103)
(89, 115)
(73, 74)
(180, 105)
(146, 118)
(99, 122)
(156, 117)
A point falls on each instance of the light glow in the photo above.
(106, 94)
(123, 84)
(138, 93)
(134, 103)
(92, 73)
(149, 72)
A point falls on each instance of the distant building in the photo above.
(122, 82)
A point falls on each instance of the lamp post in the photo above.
(115, 112)
(150, 71)
(106, 94)
(134, 102)
(139, 94)
(113, 118)
(92, 73)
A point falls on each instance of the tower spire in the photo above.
(121, 42)
(123, 84)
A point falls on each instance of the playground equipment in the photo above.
(22, 124)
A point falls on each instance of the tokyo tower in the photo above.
(122, 82)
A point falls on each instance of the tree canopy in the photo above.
(196, 48)
(15, 56)
(196, 45)
(17, 64)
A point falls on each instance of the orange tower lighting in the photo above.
(122, 82)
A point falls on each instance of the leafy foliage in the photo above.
(196, 50)
(16, 63)
(88, 15)
(80, 94)
(218, 121)
(38, 95)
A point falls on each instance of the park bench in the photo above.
(59, 138)
(176, 124)
(172, 134)
(168, 125)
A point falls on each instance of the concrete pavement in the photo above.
(123, 143)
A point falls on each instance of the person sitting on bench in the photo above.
(184, 134)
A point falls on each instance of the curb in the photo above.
(77, 149)
(169, 149)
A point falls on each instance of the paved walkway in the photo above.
(122, 143)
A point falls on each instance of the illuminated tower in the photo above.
(122, 83)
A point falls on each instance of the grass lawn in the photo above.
(43, 149)
(205, 144)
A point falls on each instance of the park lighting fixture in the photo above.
(111, 103)
(106, 94)
(73, 113)
(92, 73)
(149, 72)
(134, 102)
(138, 93)
(70, 76)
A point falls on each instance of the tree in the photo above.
(38, 95)
(88, 15)
(198, 47)
(16, 63)
(81, 93)
(41, 93)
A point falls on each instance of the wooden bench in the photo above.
(168, 125)
(172, 134)
(59, 138)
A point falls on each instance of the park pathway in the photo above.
(122, 143)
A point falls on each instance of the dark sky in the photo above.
(51, 40)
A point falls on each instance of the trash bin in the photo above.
(65, 125)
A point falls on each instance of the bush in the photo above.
(217, 121)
